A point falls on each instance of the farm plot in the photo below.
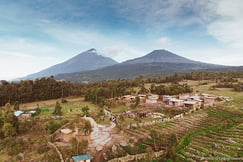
(220, 140)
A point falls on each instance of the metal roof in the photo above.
(190, 102)
(82, 157)
(66, 131)
(18, 113)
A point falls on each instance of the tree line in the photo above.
(229, 76)
(49, 88)
(39, 89)
(173, 89)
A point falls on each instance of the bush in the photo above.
(141, 148)
(128, 149)
(63, 100)
(53, 125)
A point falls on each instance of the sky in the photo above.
(35, 34)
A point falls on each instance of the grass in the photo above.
(119, 109)
(48, 103)
(74, 106)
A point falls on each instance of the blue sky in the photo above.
(35, 34)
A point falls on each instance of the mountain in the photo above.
(160, 56)
(158, 62)
(88, 60)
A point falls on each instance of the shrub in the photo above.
(128, 149)
(53, 125)
(63, 100)
(141, 148)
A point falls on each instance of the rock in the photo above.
(213, 154)
(123, 143)
(104, 155)
(134, 126)
(229, 140)
(114, 148)
(216, 146)
(99, 148)
(21, 156)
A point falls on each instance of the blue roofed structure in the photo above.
(82, 158)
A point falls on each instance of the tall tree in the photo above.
(58, 109)
(9, 130)
(87, 127)
(16, 105)
(85, 110)
(10, 126)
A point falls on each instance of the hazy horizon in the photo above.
(38, 34)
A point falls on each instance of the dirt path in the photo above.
(103, 137)
(106, 138)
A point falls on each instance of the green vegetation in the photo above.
(53, 125)
(85, 111)
(217, 133)
(210, 132)
(10, 122)
(40, 89)
(57, 110)
(172, 89)
(16, 105)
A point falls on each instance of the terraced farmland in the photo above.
(224, 139)
(208, 133)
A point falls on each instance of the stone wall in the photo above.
(132, 126)
(137, 157)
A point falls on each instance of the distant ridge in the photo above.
(88, 60)
(157, 62)
(160, 56)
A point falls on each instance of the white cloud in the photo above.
(25, 45)
(161, 14)
(163, 41)
(15, 54)
(19, 57)
(228, 26)
(14, 64)
(84, 39)
(122, 52)
(223, 56)
(77, 36)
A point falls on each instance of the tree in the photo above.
(87, 127)
(9, 130)
(53, 125)
(1, 124)
(137, 101)
(16, 105)
(143, 89)
(38, 110)
(85, 110)
(58, 108)
(10, 122)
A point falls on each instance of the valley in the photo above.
(121, 81)
(171, 133)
